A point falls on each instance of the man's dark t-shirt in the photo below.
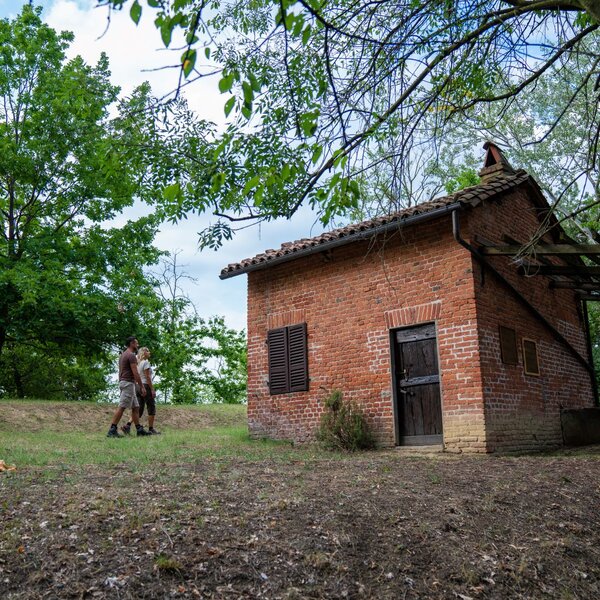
(127, 362)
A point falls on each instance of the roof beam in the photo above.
(547, 249)
(565, 270)
(575, 285)
(589, 297)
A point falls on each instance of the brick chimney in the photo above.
(495, 163)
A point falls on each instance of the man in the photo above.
(145, 370)
(128, 377)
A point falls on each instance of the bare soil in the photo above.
(373, 525)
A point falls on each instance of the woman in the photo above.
(148, 400)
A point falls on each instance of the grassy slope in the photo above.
(42, 433)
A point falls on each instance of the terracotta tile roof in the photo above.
(471, 196)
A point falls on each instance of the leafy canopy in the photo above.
(73, 287)
(70, 287)
(312, 87)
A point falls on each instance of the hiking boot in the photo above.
(153, 431)
(113, 433)
(126, 429)
(142, 431)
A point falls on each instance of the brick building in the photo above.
(420, 318)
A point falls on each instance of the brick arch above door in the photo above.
(413, 315)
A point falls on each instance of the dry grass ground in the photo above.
(204, 512)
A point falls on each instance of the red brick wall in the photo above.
(522, 411)
(349, 300)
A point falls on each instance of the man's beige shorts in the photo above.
(128, 395)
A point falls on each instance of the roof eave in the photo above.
(361, 235)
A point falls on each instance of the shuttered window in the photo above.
(508, 346)
(530, 357)
(279, 381)
(288, 359)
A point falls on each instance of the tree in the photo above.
(197, 360)
(70, 286)
(225, 372)
(313, 86)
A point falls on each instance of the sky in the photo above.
(134, 54)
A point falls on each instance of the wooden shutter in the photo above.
(298, 359)
(530, 357)
(508, 346)
(278, 361)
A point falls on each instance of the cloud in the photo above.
(135, 52)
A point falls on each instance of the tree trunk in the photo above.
(18, 382)
(3, 324)
(592, 7)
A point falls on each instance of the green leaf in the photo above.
(251, 184)
(254, 83)
(298, 26)
(171, 192)
(248, 92)
(308, 125)
(166, 31)
(217, 181)
(247, 112)
(306, 34)
(188, 60)
(317, 154)
(135, 12)
(207, 53)
(229, 105)
(153, 3)
(226, 83)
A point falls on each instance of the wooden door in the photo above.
(417, 386)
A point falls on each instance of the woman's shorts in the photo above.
(146, 401)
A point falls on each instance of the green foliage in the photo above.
(201, 361)
(225, 370)
(311, 89)
(197, 360)
(71, 287)
(466, 177)
(48, 372)
(594, 320)
(343, 425)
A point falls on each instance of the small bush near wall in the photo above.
(343, 425)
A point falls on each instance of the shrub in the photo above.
(343, 425)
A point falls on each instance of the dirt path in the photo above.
(374, 526)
